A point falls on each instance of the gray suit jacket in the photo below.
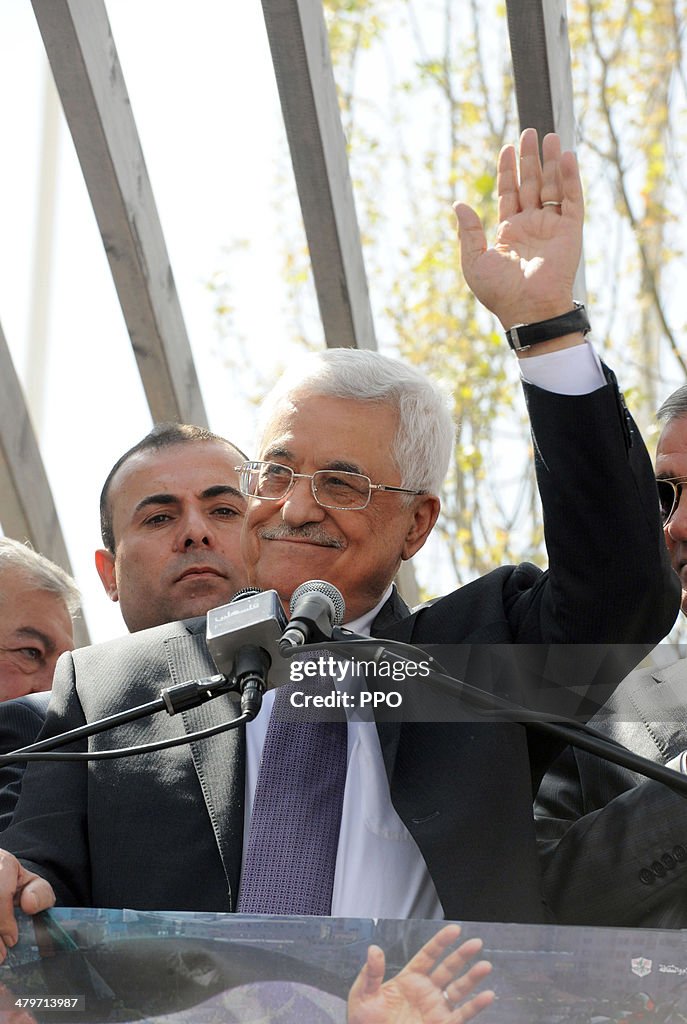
(613, 844)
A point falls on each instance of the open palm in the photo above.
(527, 275)
(433, 988)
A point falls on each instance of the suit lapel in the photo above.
(659, 704)
(386, 624)
(219, 761)
(392, 611)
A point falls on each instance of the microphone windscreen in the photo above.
(321, 587)
(246, 592)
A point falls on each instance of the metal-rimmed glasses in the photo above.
(669, 493)
(331, 488)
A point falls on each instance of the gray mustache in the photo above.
(313, 533)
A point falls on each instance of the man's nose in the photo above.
(677, 527)
(300, 506)
(194, 531)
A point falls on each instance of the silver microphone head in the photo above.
(246, 592)
(328, 590)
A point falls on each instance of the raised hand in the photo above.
(431, 989)
(527, 275)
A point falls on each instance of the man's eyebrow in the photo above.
(340, 464)
(278, 451)
(156, 499)
(31, 633)
(344, 467)
(173, 499)
(219, 489)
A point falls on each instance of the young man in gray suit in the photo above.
(171, 516)
(436, 817)
(613, 843)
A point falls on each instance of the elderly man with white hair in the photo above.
(417, 817)
(38, 600)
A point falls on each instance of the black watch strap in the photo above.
(522, 336)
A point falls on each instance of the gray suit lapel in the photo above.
(660, 704)
(219, 761)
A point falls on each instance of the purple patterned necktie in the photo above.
(294, 828)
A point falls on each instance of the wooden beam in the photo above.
(300, 52)
(27, 509)
(89, 80)
(540, 50)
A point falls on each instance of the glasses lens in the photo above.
(265, 479)
(667, 494)
(341, 490)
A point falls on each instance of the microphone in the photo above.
(316, 608)
(243, 640)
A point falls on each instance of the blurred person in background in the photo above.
(613, 844)
(38, 600)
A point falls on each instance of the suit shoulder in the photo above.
(505, 580)
(145, 640)
(33, 703)
(477, 612)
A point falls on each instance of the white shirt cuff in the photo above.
(569, 371)
(677, 763)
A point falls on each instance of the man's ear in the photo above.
(425, 515)
(105, 564)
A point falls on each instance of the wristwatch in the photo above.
(523, 336)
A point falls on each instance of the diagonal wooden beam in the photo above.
(540, 51)
(27, 509)
(89, 80)
(300, 52)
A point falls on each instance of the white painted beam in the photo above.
(27, 509)
(89, 80)
(540, 50)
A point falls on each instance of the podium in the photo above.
(192, 968)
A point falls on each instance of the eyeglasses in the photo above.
(330, 488)
(669, 493)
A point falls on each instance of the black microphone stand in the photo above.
(488, 706)
(172, 699)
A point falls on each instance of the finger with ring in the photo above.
(449, 1003)
(551, 202)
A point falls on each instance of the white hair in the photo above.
(425, 434)
(674, 407)
(39, 572)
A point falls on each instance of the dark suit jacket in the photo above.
(613, 843)
(164, 830)
(20, 722)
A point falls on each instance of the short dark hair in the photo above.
(163, 435)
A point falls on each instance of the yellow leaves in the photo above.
(468, 458)
(485, 185)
